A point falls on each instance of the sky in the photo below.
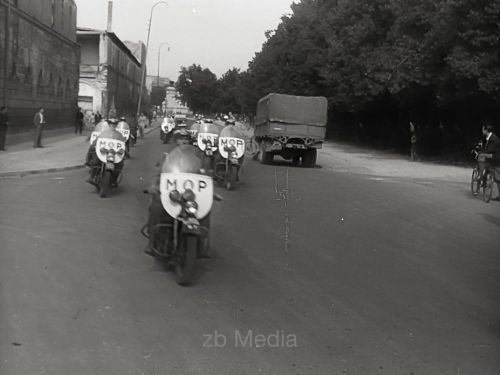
(216, 34)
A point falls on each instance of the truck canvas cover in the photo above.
(290, 109)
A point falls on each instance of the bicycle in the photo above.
(475, 183)
(491, 175)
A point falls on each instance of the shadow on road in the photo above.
(492, 219)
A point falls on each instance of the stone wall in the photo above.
(42, 70)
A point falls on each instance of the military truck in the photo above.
(292, 127)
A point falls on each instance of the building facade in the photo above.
(110, 74)
(172, 104)
(39, 62)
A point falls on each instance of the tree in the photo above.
(197, 88)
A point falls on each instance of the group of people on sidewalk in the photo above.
(40, 121)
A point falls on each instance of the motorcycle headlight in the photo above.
(110, 157)
(191, 207)
(234, 155)
(188, 195)
(175, 196)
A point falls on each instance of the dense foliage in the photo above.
(380, 63)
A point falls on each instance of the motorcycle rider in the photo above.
(491, 151)
(92, 160)
(231, 122)
(123, 123)
(157, 213)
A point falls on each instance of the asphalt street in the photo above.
(313, 271)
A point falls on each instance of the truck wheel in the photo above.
(309, 158)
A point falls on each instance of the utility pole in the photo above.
(159, 50)
(146, 55)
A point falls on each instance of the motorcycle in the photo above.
(166, 129)
(207, 141)
(110, 150)
(194, 130)
(124, 129)
(186, 197)
(232, 150)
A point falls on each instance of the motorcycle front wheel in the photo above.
(105, 184)
(231, 178)
(184, 269)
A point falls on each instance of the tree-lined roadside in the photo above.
(381, 64)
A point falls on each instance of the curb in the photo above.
(55, 169)
(40, 171)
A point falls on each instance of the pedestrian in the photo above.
(79, 121)
(413, 142)
(4, 124)
(97, 118)
(143, 123)
(39, 122)
(490, 155)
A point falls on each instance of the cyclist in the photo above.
(490, 153)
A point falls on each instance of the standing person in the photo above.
(4, 124)
(97, 118)
(413, 141)
(79, 121)
(491, 154)
(143, 123)
(39, 123)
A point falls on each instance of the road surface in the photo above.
(313, 271)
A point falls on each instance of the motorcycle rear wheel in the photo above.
(184, 269)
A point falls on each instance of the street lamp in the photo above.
(146, 54)
(159, 49)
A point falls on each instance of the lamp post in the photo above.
(159, 50)
(146, 54)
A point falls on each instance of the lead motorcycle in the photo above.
(178, 230)
(207, 141)
(110, 151)
(232, 151)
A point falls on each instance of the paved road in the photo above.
(314, 271)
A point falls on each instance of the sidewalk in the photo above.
(353, 159)
(61, 152)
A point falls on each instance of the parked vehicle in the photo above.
(293, 127)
